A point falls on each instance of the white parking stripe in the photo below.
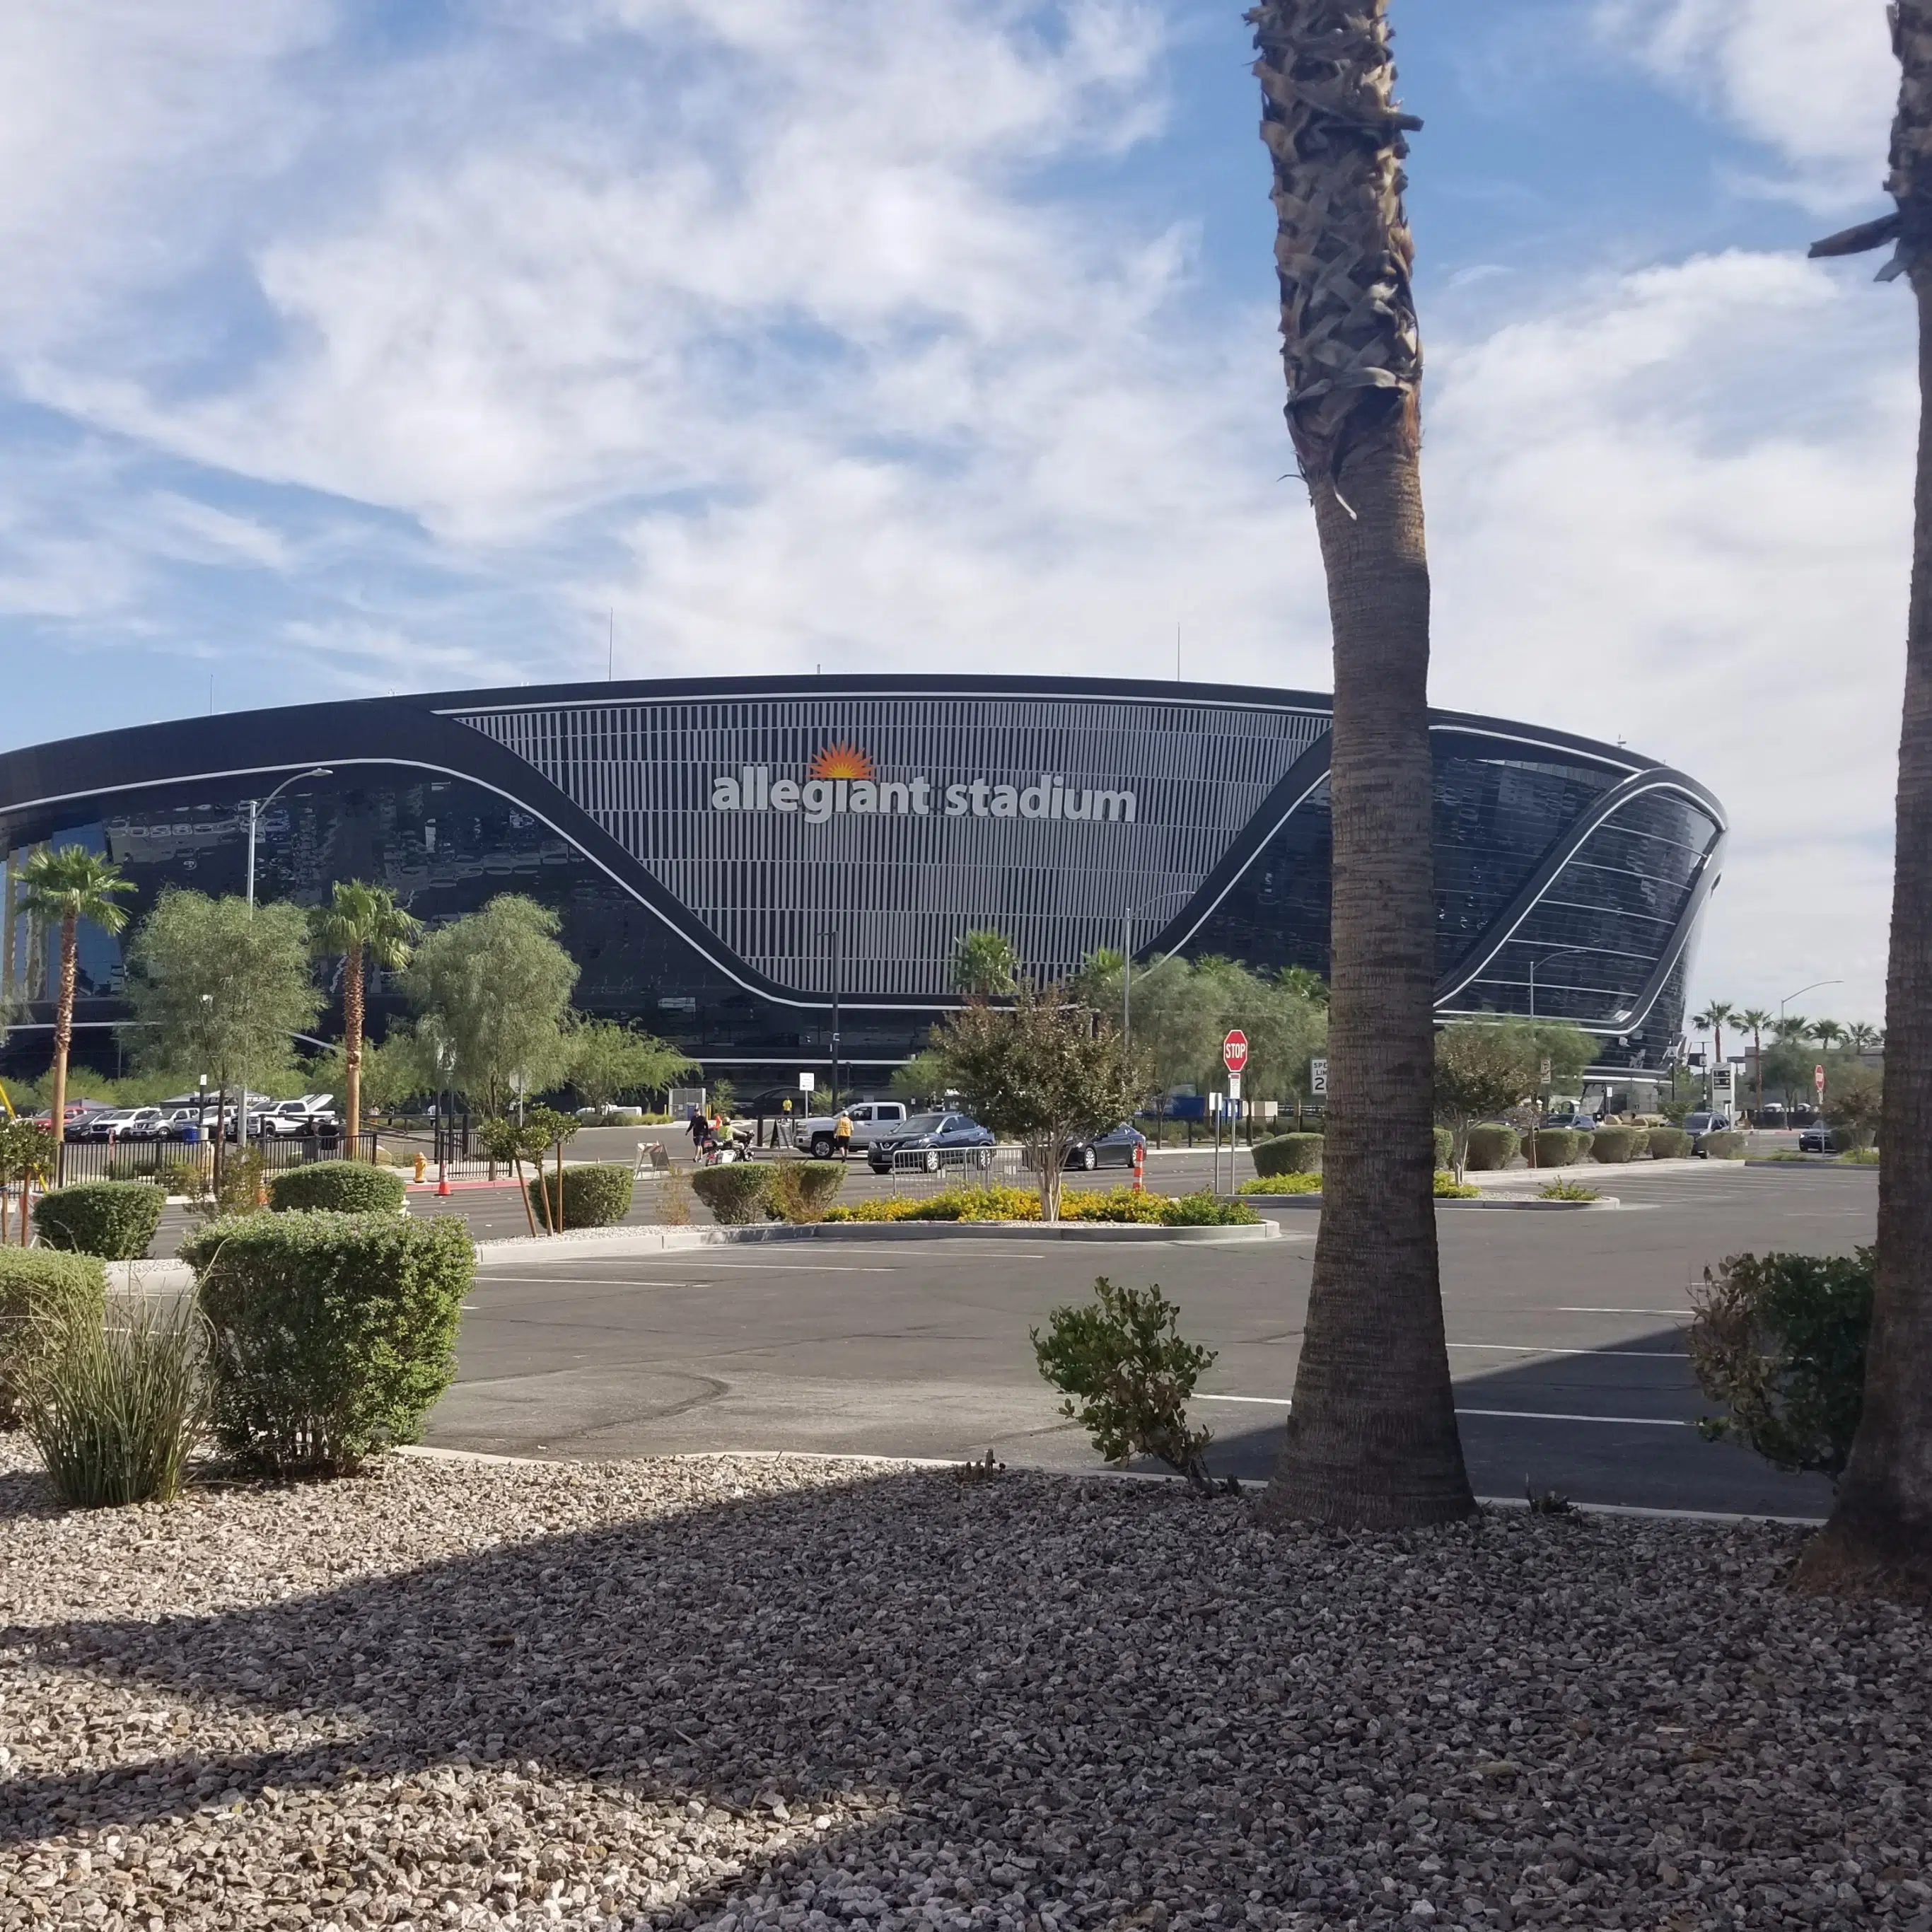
(1508, 1415)
(1516, 1349)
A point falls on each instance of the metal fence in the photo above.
(144, 1160)
(930, 1169)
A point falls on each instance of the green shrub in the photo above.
(240, 1189)
(1204, 1210)
(1557, 1146)
(189, 1180)
(1289, 1153)
(1448, 1188)
(1779, 1339)
(1728, 1146)
(1669, 1143)
(1613, 1145)
(801, 1192)
(1491, 1147)
(332, 1334)
(1639, 1141)
(1114, 1203)
(115, 1220)
(1126, 1375)
(1445, 1148)
(117, 1403)
(1282, 1183)
(735, 1194)
(993, 1203)
(1859, 1157)
(337, 1187)
(41, 1291)
(1566, 1190)
(594, 1196)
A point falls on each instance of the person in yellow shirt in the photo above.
(842, 1134)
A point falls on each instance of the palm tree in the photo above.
(1879, 1540)
(1371, 1438)
(62, 887)
(985, 965)
(365, 924)
(1713, 1020)
(1756, 1018)
(1861, 1036)
(1828, 1034)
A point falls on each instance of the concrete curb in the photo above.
(619, 1243)
(1493, 1200)
(1815, 1163)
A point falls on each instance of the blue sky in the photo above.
(347, 348)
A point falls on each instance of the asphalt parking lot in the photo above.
(1565, 1334)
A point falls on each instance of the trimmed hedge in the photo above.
(801, 1192)
(332, 1335)
(41, 1290)
(115, 1220)
(1445, 1149)
(736, 1194)
(1289, 1153)
(1491, 1147)
(1614, 1145)
(1722, 1146)
(596, 1196)
(1557, 1146)
(1669, 1143)
(336, 1187)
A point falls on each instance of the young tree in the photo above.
(365, 924)
(1371, 1438)
(607, 1059)
(1854, 1104)
(61, 888)
(1482, 1070)
(216, 989)
(1879, 1540)
(494, 988)
(923, 1077)
(985, 966)
(1046, 1069)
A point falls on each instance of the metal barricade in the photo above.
(939, 1168)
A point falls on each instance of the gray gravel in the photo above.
(791, 1693)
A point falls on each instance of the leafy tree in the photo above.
(608, 1058)
(393, 1069)
(493, 988)
(1307, 982)
(61, 888)
(1285, 1028)
(1854, 1100)
(985, 965)
(1879, 1540)
(1482, 1070)
(923, 1077)
(366, 926)
(220, 989)
(1046, 1069)
(1371, 1438)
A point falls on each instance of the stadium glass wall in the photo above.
(725, 856)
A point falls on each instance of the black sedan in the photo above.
(1815, 1140)
(931, 1141)
(1114, 1148)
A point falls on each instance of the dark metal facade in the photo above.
(726, 855)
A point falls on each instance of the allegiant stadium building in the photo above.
(737, 863)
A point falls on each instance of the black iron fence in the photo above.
(149, 1160)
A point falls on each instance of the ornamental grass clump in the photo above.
(115, 1220)
(1126, 1375)
(1779, 1339)
(331, 1335)
(800, 1192)
(42, 1292)
(115, 1406)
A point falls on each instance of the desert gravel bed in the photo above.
(784, 1693)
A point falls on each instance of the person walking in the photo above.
(842, 1134)
(696, 1126)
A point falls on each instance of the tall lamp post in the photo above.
(1798, 995)
(256, 806)
(1550, 953)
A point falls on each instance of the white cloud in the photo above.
(1814, 80)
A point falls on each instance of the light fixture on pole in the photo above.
(1551, 952)
(1799, 995)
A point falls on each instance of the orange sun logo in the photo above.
(842, 761)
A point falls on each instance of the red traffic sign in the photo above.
(1818, 1079)
(1234, 1050)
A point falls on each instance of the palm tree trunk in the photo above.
(64, 1028)
(1879, 1540)
(352, 1049)
(1372, 1437)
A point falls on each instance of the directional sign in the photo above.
(1318, 1078)
(1234, 1050)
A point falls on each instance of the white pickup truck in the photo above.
(870, 1119)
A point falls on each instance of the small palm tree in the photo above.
(1827, 1033)
(1713, 1020)
(1795, 1027)
(1756, 1018)
(365, 924)
(985, 966)
(61, 887)
(1861, 1036)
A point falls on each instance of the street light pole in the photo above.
(256, 807)
(1799, 995)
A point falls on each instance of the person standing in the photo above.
(842, 1134)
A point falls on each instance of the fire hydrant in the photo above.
(422, 1167)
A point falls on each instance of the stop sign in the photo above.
(1234, 1050)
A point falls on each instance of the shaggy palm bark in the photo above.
(1371, 1438)
(1879, 1541)
(352, 1047)
(70, 977)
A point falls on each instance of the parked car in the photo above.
(1577, 1121)
(1114, 1148)
(122, 1123)
(1816, 1140)
(944, 1140)
(870, 1119)
(1698, 1125)
(313, 1113)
